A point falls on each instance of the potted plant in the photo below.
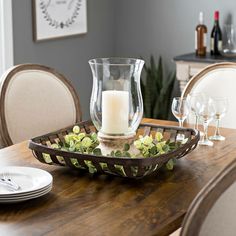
(157, 87)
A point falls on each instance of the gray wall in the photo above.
(163, 27)
(129, 28)
(69, 55)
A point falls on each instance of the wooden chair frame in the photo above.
(5, 80)
(204, 201)
(199, 75)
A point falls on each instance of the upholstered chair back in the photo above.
(217, 80)
(35, 100)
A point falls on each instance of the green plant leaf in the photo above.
(118, 153)
(170, 164)
(159, 78)
(97, 152)
(153, 151)
(126, 147)
(126, 154)
(157, 90)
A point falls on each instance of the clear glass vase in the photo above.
(116, 105)
(229, 45)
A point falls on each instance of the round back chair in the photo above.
(217, 80)
(35, 100)
(212, 213)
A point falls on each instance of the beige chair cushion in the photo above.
(220, 83)
(212, 212)
(221, 220)
(37, 102)
(176, 233)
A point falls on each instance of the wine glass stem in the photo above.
(205, 127)
(217, 133)
(181, 121)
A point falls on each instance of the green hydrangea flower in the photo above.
(81, 136)
(138, 144)
(86, 142)
(67, 138)
(76, 129)
(147, 140)
(94, 136)
(158, 136)
(71, 143)
(55, 146)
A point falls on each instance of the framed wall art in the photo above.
(59, 18)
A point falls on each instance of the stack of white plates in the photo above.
(33, 183)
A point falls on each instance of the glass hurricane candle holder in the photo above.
(116, 105)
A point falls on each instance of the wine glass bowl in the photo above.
(207, 114)
(180, 110)
(221, 107)
(195, 101)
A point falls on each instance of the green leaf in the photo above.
(72, 148)
(170, 164)
(146, 154)
(153, 151)
(86, 142)
(158, 136)
(157, 90)
(159, 147)
(93, 136)
(92, 169)
(166, 148)
(55, 146)
(118, 153)
(159, 77)
(97, 152)
(173, 145)
(126, 154)
(112, 153)
(126, 147)
(47, 158)
(120, 169)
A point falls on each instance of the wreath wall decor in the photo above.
(59, 18)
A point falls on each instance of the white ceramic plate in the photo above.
(21, 199)
(30, 180)
(27, 196)
(7, 196)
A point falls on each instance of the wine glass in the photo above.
(180, 110)
(221, 106)
(207, 113)
(195, 100)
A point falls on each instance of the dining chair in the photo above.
(35, 100)
(212, 213)
(217, 80)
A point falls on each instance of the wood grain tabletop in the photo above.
(82, 204)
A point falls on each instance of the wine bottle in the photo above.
(200, 37)
(216, 36)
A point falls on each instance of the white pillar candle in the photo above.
(115, 112)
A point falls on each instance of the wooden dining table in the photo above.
(85, 204)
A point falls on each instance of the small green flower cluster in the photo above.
(81, 142)
(147, 146)
(152, 147)
(121, 153)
